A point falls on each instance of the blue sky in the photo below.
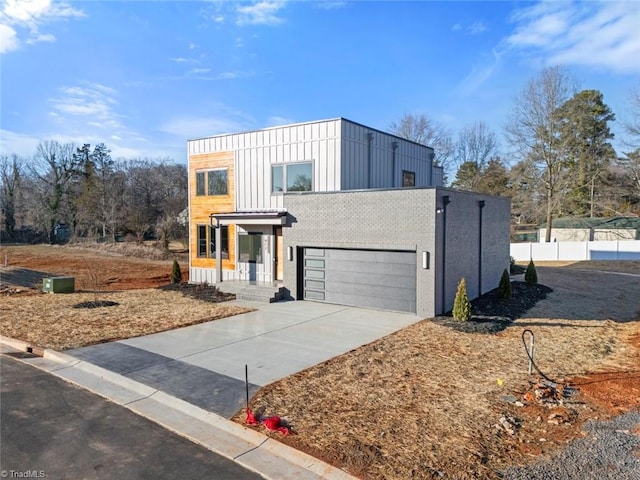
(143, 76)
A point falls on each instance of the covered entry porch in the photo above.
(259, 247)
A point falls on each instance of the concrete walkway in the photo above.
(167, 377)
(205, 364)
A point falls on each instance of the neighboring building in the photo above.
(338, 212)
(592, 229)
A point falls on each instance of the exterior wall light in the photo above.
(290, 253)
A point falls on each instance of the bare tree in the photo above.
(533, 130)
(632, 123)
(10, 177)
(423, 130)
(54, 168)
(476, 145)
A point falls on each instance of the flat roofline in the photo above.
(310, 123)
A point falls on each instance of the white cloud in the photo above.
(26, 17)
(94, 100)
(263, 12)
(8, 39)
(277, 120)
(456, 27)
(330, 5)
(603, 35)
(476, 27)
(20, 144)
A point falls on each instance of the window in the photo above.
(408, 178)
(277, 178)
(216, 181)
(299, 177)
(292, 177)
(250, 248)
(199, 183)
(202, 240)
(224, 238)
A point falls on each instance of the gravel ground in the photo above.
(610, 451)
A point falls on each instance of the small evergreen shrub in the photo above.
(530, 275)
(176, 274)
(461, 304)
(504, 287)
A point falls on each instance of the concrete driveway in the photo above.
(205, 364)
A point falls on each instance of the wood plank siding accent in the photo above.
(200, 207)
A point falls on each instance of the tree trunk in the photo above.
(547, 237)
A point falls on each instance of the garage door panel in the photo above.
(358, 278)
(386, 291)
(365, 278)
(397, 304)
(372, 267)
(373, 256)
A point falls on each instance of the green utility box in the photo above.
(59, 284)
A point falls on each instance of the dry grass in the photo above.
(51, 321)
(424, 400)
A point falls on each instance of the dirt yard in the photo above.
(116, 296)
(426, 402)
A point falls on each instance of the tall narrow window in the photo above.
(224, 238)
(277, 178)
(199, 183)
(202, 240)
(217, 182)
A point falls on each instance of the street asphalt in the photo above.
(53, 429)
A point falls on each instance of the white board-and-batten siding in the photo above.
(358, 174)
(255, 153)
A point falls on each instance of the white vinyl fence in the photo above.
(597, 250)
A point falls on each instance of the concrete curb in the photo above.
(253, 450)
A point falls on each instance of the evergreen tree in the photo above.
(504, 287)
(461, 304)
(530, 275)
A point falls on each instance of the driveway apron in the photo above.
(205, 364)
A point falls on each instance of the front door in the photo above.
(279, 256)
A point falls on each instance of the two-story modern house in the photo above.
(338, 212)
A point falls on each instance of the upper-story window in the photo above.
(292, 177)
(408, 178)
(216, 182)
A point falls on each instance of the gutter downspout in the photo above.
(446, 200)
(394, 146)
(370, 139)
(481, 205)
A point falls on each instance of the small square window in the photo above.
(218, 182)
(250, 248)
(299, 177)
(408, 178)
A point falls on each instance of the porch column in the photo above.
(218, 254)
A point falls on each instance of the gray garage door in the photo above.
(361, 278)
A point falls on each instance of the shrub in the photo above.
(461, 305)
(176, 274)
(504, 287)
(512, 265)
(530, 275)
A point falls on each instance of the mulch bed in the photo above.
(492, 314)
(203, 292)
